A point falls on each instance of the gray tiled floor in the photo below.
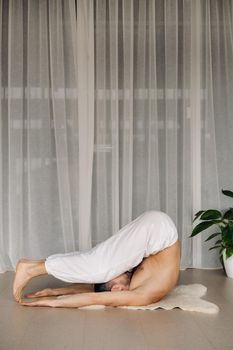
(50, 328)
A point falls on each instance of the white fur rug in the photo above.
(185, 297)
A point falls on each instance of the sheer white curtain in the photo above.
(110, 108)
(163, 114)
(44, 123)
(216, 62)
(142, 129)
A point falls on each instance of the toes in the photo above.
(16, 294)
(17, 298)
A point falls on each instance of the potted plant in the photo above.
(224, 232)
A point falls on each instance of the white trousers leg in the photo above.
(150, 233)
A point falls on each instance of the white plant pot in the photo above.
(228, 263)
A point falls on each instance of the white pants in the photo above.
(150, 233)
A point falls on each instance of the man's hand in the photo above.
(44, 302)
(74, 288)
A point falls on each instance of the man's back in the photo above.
(158, 273)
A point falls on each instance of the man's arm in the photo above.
(123, 298)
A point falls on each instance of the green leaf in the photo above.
(228, 214)
(201, 227)
(211, 214)
(218, 241)
(227, 193)
(227, 234)
(229, 252)
(215, 247)
(227, 229)
(198, 214)
(212, 236)
(217, 221)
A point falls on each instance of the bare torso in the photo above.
(158, 274)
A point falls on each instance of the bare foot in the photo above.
(23, 274)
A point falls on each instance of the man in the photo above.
(138, 265)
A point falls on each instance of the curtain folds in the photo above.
(108, 109)
(86, 103)
(142, 129)
(216, 109)
(39, 134)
